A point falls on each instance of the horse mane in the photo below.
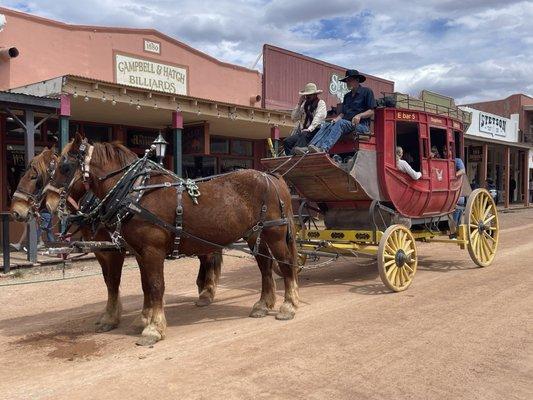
(41, 163)
(106, 152)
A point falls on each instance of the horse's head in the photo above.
(28, 196)
(68, 173)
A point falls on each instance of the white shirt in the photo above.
(298, 114)
(405, 167)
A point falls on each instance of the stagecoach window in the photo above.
(437, 137)
(407, 137)
(458, 145)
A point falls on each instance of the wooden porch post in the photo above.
(525, 177)
(3, 160)
(177, 128)
(507, 176)
(64, 117)
(29, 153)
(484, 165)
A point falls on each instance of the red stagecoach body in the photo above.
(375, 176)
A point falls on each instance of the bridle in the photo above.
(34, 199)
(82, 160)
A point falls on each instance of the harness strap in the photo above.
(179, 220)
(23, 196)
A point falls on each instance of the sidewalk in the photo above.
(19, 260)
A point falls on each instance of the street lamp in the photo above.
(160, 148)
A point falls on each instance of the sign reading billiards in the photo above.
(148, 74)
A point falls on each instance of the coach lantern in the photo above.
(160, 148)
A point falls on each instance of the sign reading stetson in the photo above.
(150, 75)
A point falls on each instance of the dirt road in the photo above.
(459, 332)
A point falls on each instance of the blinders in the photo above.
(34, 198)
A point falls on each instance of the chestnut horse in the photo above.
(228, 208)
(26, 202)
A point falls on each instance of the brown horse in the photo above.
(228, 207)
(26, 202)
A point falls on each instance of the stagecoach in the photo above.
(355, 201)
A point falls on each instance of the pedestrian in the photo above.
(310, 112)
(460, 173)
(512, 188)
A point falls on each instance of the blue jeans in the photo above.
(459, 210)
(45, 224)
(330, 132)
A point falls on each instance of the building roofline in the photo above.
(317, 61)
(72, 77)
(492, 101)
(146, 31)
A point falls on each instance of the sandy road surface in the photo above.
(459, 332)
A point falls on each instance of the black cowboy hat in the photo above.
(353, 73)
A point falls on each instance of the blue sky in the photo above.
(472, 50)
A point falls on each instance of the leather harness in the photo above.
(123, 202)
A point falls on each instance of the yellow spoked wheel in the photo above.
(397, 258)
(482, 227)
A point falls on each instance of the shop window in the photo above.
(219, 146)
(407, 138)
(243, 148)
(97, 133)
(234, 164)
(16, 166)
(198, 166)
(437, 138)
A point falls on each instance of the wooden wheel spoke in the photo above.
(392, 276)
(399, 277)
(394, 239)
(489, 219)
(485, 234)
(484, 251)
(390, 272)
(481, 211)
(403, 240)
(486, 246)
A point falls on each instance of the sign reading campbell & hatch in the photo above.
(150, 75)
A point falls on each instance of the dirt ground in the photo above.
(459, 332)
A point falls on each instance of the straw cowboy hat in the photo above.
(310, 88)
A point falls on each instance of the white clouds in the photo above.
(473, 50)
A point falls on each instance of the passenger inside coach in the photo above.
(404, 166)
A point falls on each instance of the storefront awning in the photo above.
(107, 102)
(498, 142)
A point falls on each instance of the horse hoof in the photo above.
(203, 301)
(259, 312)
(147, 341)
(286, 312)
(105, 327)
